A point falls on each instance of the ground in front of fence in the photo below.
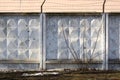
(64, 75)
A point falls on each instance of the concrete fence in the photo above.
(49, 41)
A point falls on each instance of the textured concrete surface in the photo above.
(114, 37)
(19, 40)
(74, 37)
(68, 37)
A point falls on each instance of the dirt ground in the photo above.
(71, 75)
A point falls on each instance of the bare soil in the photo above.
(65, 75)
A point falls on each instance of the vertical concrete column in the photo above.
(106, 35)
(42, 41)
(105, 26)
(119, 40)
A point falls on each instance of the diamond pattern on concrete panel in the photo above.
(74, 38)
(3, 54)
(2, 34)
(63, 54)
(22, 25)
(60, 35)
(12, 43)
(97, 55)
(95, 23)
(94, 33)
(11, 23)
(73, 23)
(60, 30)
(3, 44)
(63, 32)
(12, 54)
(34, 34)
(84, 23)
(34, 44)
(73, 33)
(88, 33)
(114, 54)
(24, 34)
(87, 43)
(12, 32)
(95, 27)
(23, 29)
(62, 45)
(34, 55)
(23, 54)
(113, 41)
(113, 37)
(66, 30)
(81, 34)
(113, 44)
(96, 45)
(17, 38)
(23, 44)
(62, 23)
(83, 26)
(87, 54)
(34, 23)
(74, 45)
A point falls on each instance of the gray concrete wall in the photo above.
(74, 37)
(114, 37)
(114, 41)
(67, 38)
(19, 42)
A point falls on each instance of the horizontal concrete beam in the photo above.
(68, 61)
(18, 61)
